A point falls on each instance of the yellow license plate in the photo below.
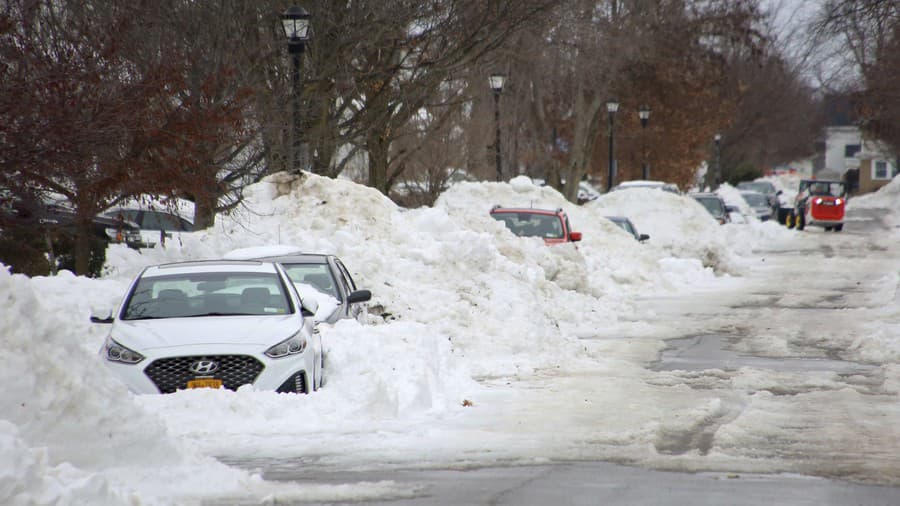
(205, 383)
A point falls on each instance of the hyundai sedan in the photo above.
(213, 324)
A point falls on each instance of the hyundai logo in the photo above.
(204, 367)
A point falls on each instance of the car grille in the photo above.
(171, 374)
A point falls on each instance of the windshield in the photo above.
(625, 225)
(207, 294)
(713, 205)
(755, 199)
(317, 276)
(823, 188)
(757, 186)
(527, 224)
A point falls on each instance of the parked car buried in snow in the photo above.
(213, 324)
(328, 275)
(626, 225)
(759, 204)
(156, 227)
(820, 203)
(715, 205)
(550, 225)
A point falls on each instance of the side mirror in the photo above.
(732, 209)
(359, 296)
(574, 236)
(102, 316)
(643, 237)
(309, 306)
(779, 192)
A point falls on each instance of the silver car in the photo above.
(328, 275)
(759, 203)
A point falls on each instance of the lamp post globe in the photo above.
(295, 22)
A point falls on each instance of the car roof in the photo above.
(498, 209)
(209, 266)
(301, 258)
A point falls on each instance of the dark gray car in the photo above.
(328, 275)
(714, 204)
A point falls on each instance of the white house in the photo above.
(842, 144)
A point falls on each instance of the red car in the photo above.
(551, 225)
(821, 203)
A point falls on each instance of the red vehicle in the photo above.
(551, 225)
(820, 203)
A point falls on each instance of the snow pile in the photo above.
(456, 297)
(696, 234)
(886, 198)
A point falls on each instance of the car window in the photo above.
(527, 224)
(314, 274)
(127, 214)
(207, 294)
(755, 199)
(713, 205)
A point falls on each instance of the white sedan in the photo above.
(213, 324)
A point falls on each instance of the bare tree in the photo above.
(100, 124)
(387, 62)
(868, 33)
(668, 55)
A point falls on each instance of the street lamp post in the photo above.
(718, 180)
(295, 22)
(496, 81)
(612, 105)
(644, 115)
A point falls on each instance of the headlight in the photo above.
(290, 346)
(115, 352)
(838, 202)
(819, 200)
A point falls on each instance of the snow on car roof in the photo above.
(209, 266)
(255, 252)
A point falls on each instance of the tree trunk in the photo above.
(84, 229)
(586, 131)
(204, 211)
(378, 146)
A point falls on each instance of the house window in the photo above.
(880, 170)
(850, 150)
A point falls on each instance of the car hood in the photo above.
(206, 330)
